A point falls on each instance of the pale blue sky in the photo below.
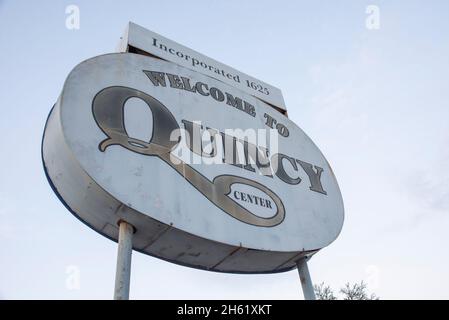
(376, 102)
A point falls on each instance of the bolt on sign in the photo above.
(207, 171)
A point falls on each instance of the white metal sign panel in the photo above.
(159, 46)
(171, 151)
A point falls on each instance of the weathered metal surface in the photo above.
(108, 156)
(124, 254)
(306, 281)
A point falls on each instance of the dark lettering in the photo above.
(200, 90)
(216, 94)
(314, 177)
(157, 78)
(280, 171)
(175, 81)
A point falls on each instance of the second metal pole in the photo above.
(306, 281)
(123, 271)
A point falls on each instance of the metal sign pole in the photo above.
(123, 271)
(306, 281)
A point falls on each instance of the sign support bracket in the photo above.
(124, 253)
(306, 281)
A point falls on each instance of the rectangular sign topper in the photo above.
(140, 39)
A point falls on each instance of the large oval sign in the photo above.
(209, 176)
